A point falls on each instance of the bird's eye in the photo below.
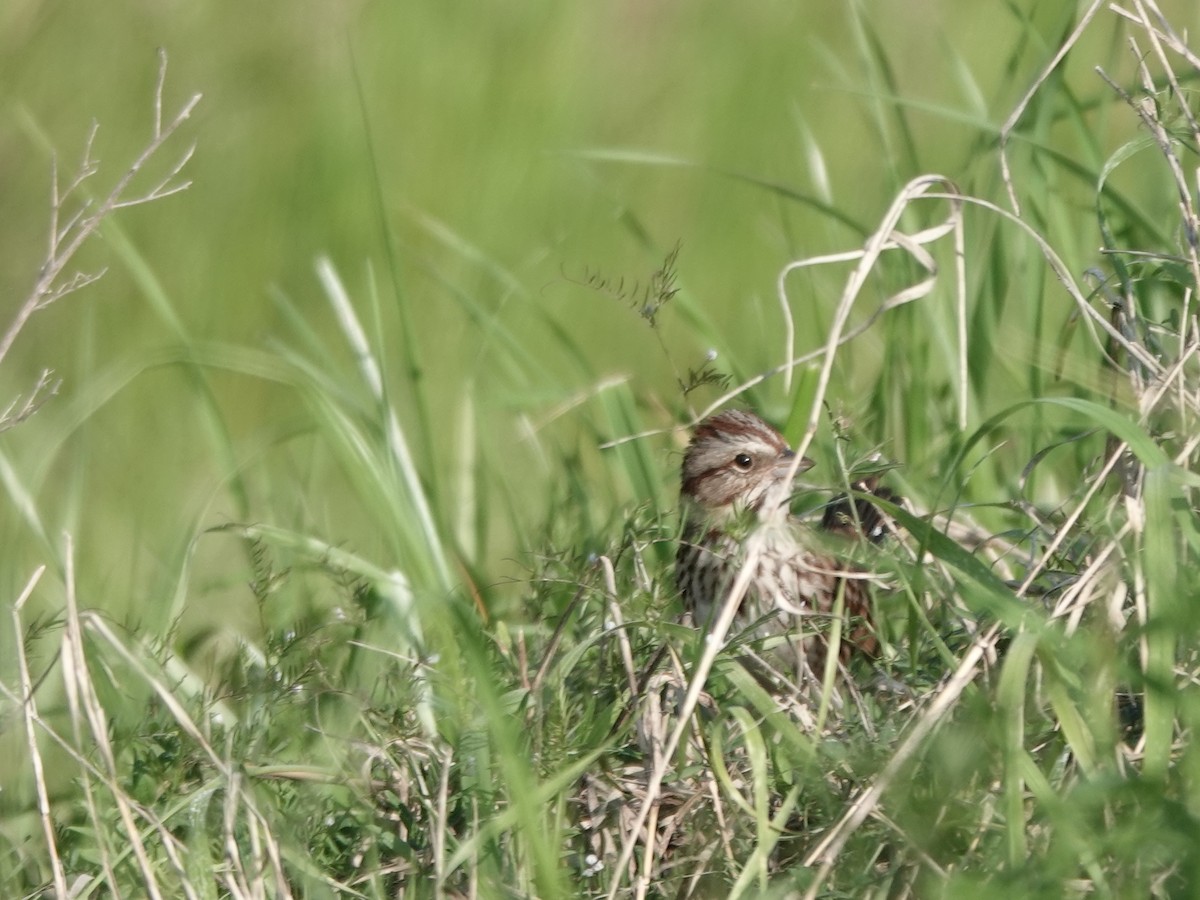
(743, 461)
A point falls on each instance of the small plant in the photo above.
(74, 220)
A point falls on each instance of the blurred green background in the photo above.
(469, 169)
(466, 164)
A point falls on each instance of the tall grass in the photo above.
(329, 690)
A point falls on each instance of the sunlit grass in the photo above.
(415, 633)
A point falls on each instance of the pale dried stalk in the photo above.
(885, 236)
(30, 714)
(442, 825)
(828, 850)
(67, 237)
(87, 710)
(47, 386)
(1018, 112)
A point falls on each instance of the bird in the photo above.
(733, 484)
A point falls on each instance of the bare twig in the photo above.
(69, 231)
(46, 387)
(1018, 112)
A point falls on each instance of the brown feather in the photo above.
(729, 469)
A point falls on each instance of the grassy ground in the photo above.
(338, 544)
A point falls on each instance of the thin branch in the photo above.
(1018, 112)
(46, 387)
(65, 241)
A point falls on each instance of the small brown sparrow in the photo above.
(733, 486)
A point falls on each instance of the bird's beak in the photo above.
(785, 462)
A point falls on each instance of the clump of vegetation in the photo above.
(386, 716)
